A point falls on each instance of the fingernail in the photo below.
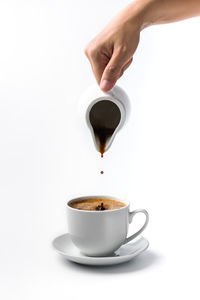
(106, 85)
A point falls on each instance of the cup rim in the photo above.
(97, 211)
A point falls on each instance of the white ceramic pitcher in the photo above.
(92, 96)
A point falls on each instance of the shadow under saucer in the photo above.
(139, 263)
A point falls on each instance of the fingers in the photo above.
(114, 69)
(108, 67)
(98, 62)
(126, 66)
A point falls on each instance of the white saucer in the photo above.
(64, 246)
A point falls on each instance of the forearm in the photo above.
(166, 11)
(151, 12)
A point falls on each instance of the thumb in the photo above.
(113, 71)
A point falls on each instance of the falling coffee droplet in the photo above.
(104, 118)
(102, 172)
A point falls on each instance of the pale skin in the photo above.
(111, 52)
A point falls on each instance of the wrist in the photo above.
(146, 12)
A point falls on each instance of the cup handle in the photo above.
(131, 215)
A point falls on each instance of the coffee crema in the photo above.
(97, 204)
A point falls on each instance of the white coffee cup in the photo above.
(100, 233)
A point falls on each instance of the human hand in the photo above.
(111, 52)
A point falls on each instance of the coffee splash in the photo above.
(100, 207)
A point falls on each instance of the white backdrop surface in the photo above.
(46, 156)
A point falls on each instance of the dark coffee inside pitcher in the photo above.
(104, 117)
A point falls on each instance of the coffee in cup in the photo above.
(98, 204)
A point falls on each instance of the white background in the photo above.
(46, 157)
